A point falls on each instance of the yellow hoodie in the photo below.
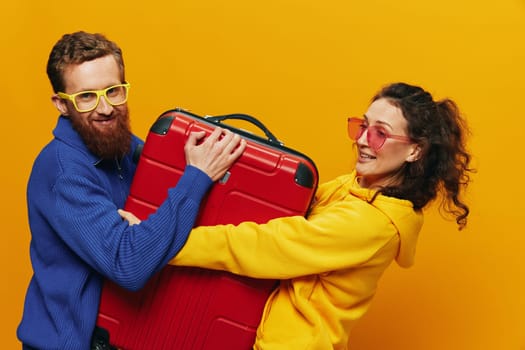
(329, 264)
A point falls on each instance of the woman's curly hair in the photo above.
(443, 165)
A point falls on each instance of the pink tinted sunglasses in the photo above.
(376, 135)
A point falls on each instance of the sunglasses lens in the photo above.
(376, 139)
(374, 136)
(355, 129)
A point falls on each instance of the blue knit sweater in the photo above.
(78, 238)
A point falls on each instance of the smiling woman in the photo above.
(410, 147)
(381, 153)
(435, 160)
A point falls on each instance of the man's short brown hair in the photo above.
(76, 48)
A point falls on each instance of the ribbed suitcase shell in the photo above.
(198, 309)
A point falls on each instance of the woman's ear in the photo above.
(60, 104)
(415, 153)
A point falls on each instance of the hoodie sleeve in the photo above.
(341, 235)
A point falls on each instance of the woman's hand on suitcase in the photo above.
(216, 154)
(129, 217)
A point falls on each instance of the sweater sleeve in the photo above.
(87, 220)
(343, 235)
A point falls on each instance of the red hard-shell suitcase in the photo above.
(191, 308)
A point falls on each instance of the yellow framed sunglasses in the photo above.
(86, 101)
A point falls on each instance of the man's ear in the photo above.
(60, 104)
(415, 153)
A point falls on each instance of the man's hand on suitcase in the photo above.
(216, 154)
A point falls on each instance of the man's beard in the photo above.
(107, 144)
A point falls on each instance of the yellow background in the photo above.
(303, 66)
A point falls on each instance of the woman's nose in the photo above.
(363, 138)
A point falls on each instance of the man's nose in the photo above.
(104, 107)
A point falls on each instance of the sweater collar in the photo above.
(64, 132)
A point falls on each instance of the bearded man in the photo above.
(80, 180)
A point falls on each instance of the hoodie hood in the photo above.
(408, 223)
(401, 213)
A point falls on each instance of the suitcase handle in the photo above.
(271, 137)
